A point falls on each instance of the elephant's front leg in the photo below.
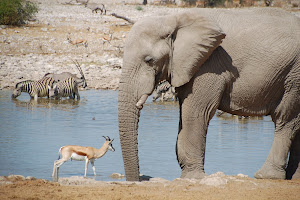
(197, 107)
(190, 147)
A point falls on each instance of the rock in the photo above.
(217, 179)
(16, 178)
(242, 175)
(30, 178)
(214, 181)
(76, 180)
(117, 176)
(5, 182)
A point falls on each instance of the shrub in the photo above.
(16, 12)
(139, 8)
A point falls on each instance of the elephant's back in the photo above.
(262, 45)
(256, 19)
(266, 34)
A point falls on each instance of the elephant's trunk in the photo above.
(128, 129)
(142, 100)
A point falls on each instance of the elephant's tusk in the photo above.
(142, 100)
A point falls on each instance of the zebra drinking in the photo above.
(65, 88)
(35, 89)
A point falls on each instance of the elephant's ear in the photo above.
(195, 40)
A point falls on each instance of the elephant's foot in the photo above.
(296, 175)
(269, 171)
(293, 171)
(193, 174)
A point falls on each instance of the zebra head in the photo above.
(19, 87)
(16, 93)
(52, 90)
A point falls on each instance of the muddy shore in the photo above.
(216, 186)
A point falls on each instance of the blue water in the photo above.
(31, 134)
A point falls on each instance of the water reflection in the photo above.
(242, 119)
(32, 132)
(63, 104)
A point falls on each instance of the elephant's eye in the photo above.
(149, 60)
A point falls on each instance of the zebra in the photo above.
(164, 90)
(35, 89)
(65, 88)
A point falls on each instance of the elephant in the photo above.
(241, 61)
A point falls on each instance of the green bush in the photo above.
(16, 12)
(139, 8)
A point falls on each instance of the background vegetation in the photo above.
(16, 12)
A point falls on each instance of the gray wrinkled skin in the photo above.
(242, 61)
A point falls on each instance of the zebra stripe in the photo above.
(65, 88)
(163, 87)
(34, 88)
(22, 83)
(165, 91)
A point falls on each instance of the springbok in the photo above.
(106, 39)
(77, 41)
(80, 153)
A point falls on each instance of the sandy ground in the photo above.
(216, 186)
(30, 51)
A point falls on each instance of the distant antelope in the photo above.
(77, 42)
(80, 153)
(64, 75)
(35, 89)
(106, 39)
(200, 4)
(95, 7)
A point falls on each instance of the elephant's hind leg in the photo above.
(287, 129)
(293, 168)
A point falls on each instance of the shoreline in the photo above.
(215, 186)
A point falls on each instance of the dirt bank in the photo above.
(216, 186)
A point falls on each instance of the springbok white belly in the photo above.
(77, 157)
